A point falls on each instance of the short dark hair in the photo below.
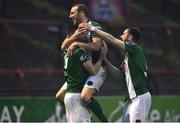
(82, 7)
(135, 32)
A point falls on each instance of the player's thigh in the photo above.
(139, 108)
(136, 110)
(87, 93)
(96, 81)
(147, 100)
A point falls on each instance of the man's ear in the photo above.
(130, 37)
(81, 13)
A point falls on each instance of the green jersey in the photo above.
(135, 70)
(75, 73)
(95, 54)
(95, 24)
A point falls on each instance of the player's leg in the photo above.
(135, 110)
(60, 96)
(139, 108)
(61, 93)
(87, 93)
(147, 98)
(68, 112)
(76, 112)
(92, 85)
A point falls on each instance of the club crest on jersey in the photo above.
(89, 83)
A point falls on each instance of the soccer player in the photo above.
(134, 70)
(77, 68)
(91, 43)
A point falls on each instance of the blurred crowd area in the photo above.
(31, 31)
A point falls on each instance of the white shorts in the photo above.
(94, 81)
(137, 108)
(76, 111)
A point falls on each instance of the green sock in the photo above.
(96, 109)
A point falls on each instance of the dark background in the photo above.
(31, 64)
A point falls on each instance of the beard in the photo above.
(76, 21)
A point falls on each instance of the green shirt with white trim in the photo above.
(74, 72)
(135, 70)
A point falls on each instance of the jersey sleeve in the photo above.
(130, 47)
(97, 25)
(81, 55)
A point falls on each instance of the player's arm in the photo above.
(69, 40)
(92, 46)
(91, 68)
(104, 35)
(112, 69)
(95, 43)
(86, 61)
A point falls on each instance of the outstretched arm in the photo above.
(115, 72)
(104, 35)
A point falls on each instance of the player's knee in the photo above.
(87, 93)
(85, 97)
